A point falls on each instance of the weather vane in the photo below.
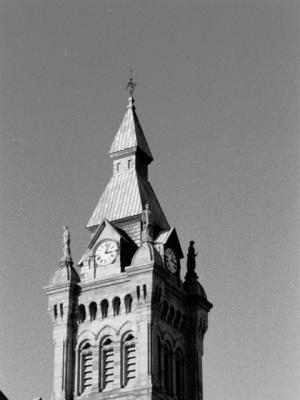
(131, 85)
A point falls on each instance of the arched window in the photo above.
(164, 311)
(128, 303)
(177, 319)
(171, 315)
(128, 360)
(183, 324)
(116, 305)
(85, 367)
(55, 311)
(93, 310)
(179, 374)
(168, 368)
(106, 364)
(104, 308)
(81, 313)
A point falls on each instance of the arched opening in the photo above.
(164, 311)
(106, 364)
(128, 303)
(171, 315)
(116, 305)
(177, 319)
(81, 313)
(86, 367)
(93, 310)
(104, 308)
(183, 326)
(128, 359)
(55, 311)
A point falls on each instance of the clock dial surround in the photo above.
(171, 260)
(106, 252)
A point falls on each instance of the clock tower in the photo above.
(127, 325)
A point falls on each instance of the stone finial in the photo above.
(191, 260)
(147, 235)
(66, 245)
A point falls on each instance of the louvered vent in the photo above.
(107, 367)
(87, 367)
(129, 360)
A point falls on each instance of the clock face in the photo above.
(171, 260)
(106, 252)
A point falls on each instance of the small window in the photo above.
(116, 306)
(118, 167)
(164, 311)
(177, 319)
(128, 303)
(138, 292)
(129, 163)
(104, 308)
(61, 308)
(145, 291)
(93, 310)
(81, 313)
(171, 315)
(55, 311)
(183, 325)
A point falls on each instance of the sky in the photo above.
(218, 99)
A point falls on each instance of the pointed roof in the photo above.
(169, 236)
(130, 134)
(129, 190)
(125, 196)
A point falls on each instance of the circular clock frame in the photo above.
(106, 252)
(171, 260)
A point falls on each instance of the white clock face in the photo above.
(171, 260)
(106, 252)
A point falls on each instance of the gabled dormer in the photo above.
(110, 250)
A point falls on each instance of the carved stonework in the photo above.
(191, 260)
(147, 234)
(66, 245)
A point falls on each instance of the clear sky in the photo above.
(218, 99)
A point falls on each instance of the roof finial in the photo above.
(131, 85)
